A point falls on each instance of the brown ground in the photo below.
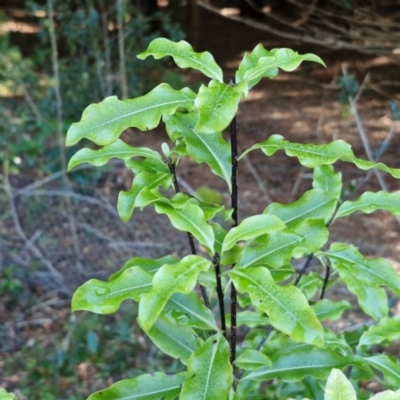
(303, 106)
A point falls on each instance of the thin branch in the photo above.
(220, 292)
(326, 279)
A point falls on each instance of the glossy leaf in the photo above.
(210, 374)
(217, 105)
(186, 215)
(105, 297)
(154, 386)
(192, 309)
(305, 360)
(315, 203)
(370, 202)
(145, 180)
(252, 227)
(103, 123)
(117, 149)
(314, 155)
(287, 307)
(389, 366)
(169, 279)
(331, 310)
(338, 387)
(387, 329)
(211, 149)
(252, 359)
(251, 319)
(184, 57)
(176, 340)
(325, 178)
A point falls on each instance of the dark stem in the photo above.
(220, 292)
(303, 270)
(326, 279)
(234, 202)
(171, 167)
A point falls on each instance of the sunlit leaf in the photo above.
(387, 395)
(102, 123)
(176, 340)
(338, 387)
(4, 395)
(387, 329)
(217, 105)
(154, 386)
(252, 359)
(389, 366)
(105, 297)
(309, 284)
(211, 149)
(210, 374)
(184, 56)
(169, 279)
(370, 202)
(327, 179)
(286, 307)
(331, 310)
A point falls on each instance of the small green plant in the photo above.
(287, 352)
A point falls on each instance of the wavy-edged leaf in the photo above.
(368, 271)
(105, 297)
(389, 366)
(387, 395)
(217, 105)
(184, 57)
(252, 359)
(309, 284)
(252, 227)
(327, 179)
(154, 386)
(287, 307)
(264, 63)
(144, 180)
(102, 123)
(315, 203)
(314, 155)
(192, 310)
(186, 215)
(211, 149)
(338, 387)
(169, 279)
(305, 360)
(210, 374)
(176, 340)
(118, 149)
(328, 309)
(251, 319)
(370, 202)
(387, 329)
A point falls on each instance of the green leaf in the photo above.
(169, 279)
(387, 329)
(331, 310)
(305, 360)
(314, 155)
(325, 178)
(184, 57)
(389, 366)
(252, 359)
(309, 284)
(250, 228)
(211, 149)
(251, 319)
(387, 395)
(368, 271)
(370, 202)
(287, 307)
(105, 297)
(4, 395)
(186, 215)
(189, 306)
(338, 387)
(102, 123)
(282, 273)
(176, 340)
(263, 63)
(315, 203)
(217, 105)
(210, 374)
(144, 180)
(117, 149)
(154, 386)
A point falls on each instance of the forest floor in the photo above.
(54, 355)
